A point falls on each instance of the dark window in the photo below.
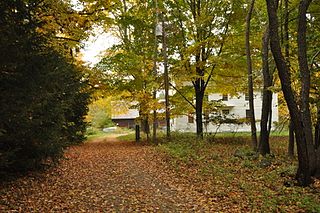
(248, 114)
(246, 97)
(225, 97)
(225, 112)
(190, 118)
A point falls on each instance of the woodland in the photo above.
(170, 55)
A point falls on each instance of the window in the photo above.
(225, 112)
(248, 114)
(190, 119)
(246, 97)
(225, 97)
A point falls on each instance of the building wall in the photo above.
(237, 105)
(125, 122)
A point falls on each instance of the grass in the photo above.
(240, 175)
(93, 134)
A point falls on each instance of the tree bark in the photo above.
(166, 76)
(317, 129)
(291, 140)
(303, 175)
(305, 81)
(199, 104)
(154, 92)
(254, 141)
(264, 147)
(287, 57)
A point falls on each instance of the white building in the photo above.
(234, 106)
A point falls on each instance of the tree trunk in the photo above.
(305, 81)
(250, 79)
(291, 140)
(287, 57)
(317, 129)
(145, 125)
(199, 103)
(154, 92)
(303, 175)
(264, 147)
(166, 76)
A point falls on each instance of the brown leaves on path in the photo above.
(104, 176)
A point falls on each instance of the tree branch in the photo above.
(314, 57)
(184, 97)
(65, 38)
(220, 51)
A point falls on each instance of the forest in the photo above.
(170, 55)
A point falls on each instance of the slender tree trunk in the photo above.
(291, 140)
(317, 129)
(166, 76)
(287, 57)
(126, 38)
(303, 175)
(199, 105)
(154, 93)
(254, 141)
(264, 147)
(305, 81)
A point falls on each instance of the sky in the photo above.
(96, 45)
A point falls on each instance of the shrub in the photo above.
(43, 94)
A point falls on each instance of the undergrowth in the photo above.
(228, 169)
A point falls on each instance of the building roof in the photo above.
(130, 114)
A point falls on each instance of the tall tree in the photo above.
(254, 142)
(202, 27)
(264, 147)
(128, 67)
(43, 92)
(308, 155)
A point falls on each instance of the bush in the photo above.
(43, 95)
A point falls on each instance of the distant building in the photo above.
(126, 119)
(234, 106)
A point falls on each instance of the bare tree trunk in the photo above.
(199, 105)
(254, 141)
(166, 76)
(154, 93)
(287, 57)
(291, 140)
(305, 81)
(303, 175)
(317, 129)
(126, 38)
(264, 147)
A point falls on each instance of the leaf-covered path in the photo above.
(104, 176)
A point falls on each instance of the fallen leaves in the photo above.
(105, 176)
(114, 176)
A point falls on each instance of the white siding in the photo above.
(237, 105)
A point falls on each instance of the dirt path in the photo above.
(103, 176)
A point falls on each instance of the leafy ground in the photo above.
(103, 176)
(185, 175)
(226, 170)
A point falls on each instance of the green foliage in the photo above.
(43, 94)
(127, 68)
(181, 151)
(125, 134)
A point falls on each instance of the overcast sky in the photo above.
(96, 45)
